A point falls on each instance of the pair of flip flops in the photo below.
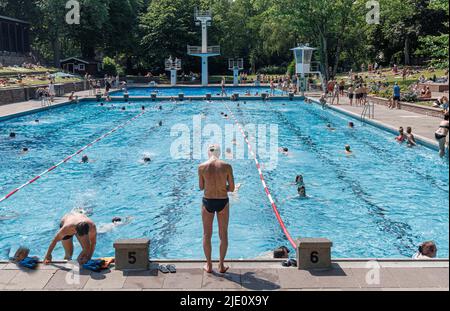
(167, 269)
(289, 263)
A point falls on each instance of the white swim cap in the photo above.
(214, 150)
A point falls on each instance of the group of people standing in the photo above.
(47, 95)
(94, 86)
(357, 91)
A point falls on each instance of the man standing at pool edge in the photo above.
(216, 179)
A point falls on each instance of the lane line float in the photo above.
(261, 176)
(68, 158)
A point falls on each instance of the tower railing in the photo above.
(236, 64)
(171, 64)
(201, 14)
(315, 67)
(215, 49)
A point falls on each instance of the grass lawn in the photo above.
(8, 71)
(36, 82)
(390, 78)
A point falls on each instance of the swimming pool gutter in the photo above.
(439, 262)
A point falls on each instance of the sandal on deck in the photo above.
(163, 269)
(172, 268)
(289, 263)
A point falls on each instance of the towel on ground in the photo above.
(98, 265)
(29, 262)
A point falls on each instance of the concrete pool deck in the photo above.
(423, 126)
(354, 275)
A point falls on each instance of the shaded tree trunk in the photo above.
(324, 52)
(56, 48)
(407, 52)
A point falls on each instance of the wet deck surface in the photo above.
(242, 276)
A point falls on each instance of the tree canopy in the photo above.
(140, 34)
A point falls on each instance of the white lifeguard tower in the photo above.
(235, 65)
(203, 19)
(304, 67)
(173, 65)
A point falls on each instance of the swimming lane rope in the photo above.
(70, 157)
(261, 176)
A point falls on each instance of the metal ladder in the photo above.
(368, 111)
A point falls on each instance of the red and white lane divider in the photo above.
(70, 157)
(261, 176)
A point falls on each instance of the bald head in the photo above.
(214, 151)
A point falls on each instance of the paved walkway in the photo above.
(423, 126)
(243, 276)
(34, 105)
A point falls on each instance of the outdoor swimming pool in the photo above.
(195, 91)
(381, 202)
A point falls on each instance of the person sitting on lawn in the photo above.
(426, 93)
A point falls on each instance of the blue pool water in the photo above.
(192, 91)
(381, 202)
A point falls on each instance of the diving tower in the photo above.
(235, 65)
(203, 19)
(173, 65)
(304, 67)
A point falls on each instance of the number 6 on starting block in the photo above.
(314, 253)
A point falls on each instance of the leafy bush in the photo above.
(272, 70)
(291, 68)
(409, 97)
(110, 67)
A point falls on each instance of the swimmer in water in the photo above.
(160, 108)
(83, 210)
(301, 189)
(24, 150)
(12, 135)
(147, 160)
(123, 108)
(228, 154)
(299, 180)
(225, 116)
(410, 137)
(323, 100)
(348, 150)
(116, 222)
(401, 135)
(85, 159)
(236, 189)
(36, 121)
(160, 123)
(234, 141)
(330, 128)
(284, 150)
(143, 107)
(351, 125)
(102, 104)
